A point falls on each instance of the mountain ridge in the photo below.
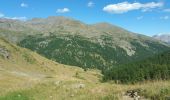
(75, 41)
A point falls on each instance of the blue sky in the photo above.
(147, 17)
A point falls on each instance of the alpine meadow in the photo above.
(84, 50)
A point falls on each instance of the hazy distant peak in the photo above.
(7, 20)
(163, 37)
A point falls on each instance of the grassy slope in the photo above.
(28, 76)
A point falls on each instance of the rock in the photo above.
(51, 96)
(4, 52)
(79, 86)
(133, 94)
(57, 83)
(136, 97)
(72, 95)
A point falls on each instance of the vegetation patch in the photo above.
(153, 68)
(80, 51)
(16, 96)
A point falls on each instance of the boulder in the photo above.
(4, 53)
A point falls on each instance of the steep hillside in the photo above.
(152, 68)
(21, 68)
(85, 52)
(25, 75)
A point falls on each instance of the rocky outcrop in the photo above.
(133, 94)
(4, 52)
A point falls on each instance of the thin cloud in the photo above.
(90, 4)
(164, 17)
(64, 10)
(24, 5)
(124, 7)
(17, 18)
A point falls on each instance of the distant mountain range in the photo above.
(163, 37)
(72, 42)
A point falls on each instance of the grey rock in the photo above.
(4, 52)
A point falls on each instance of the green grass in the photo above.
(16, 96)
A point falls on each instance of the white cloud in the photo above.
(90, 4)
(164, 17)
(140, 17)
(166, 10)
(124, 7)
(64, 10)
(1, 15)
(24, 5)
(17, 18)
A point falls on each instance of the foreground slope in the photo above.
(22, 70)
(20, 66)
(25, 75)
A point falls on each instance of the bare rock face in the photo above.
(4, 52)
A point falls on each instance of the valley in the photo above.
(59, 58)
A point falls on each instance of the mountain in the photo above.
(100, 45)
(14, 30)
(72, 42)
(26, 75)
(163, 37)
